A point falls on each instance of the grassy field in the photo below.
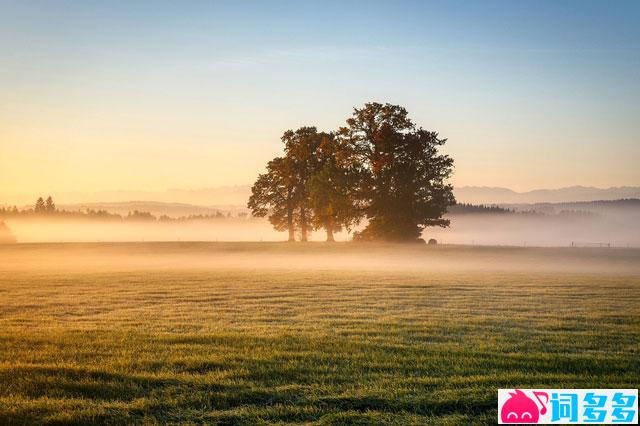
(277, 333)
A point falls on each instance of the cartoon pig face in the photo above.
(519, 408)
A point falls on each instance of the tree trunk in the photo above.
(330, 238)
(303, 225)
(292, 234)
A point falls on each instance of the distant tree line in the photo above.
(465, 208)
(380, 167)
(47, 208)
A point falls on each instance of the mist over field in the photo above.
(340, 257)
(540, 230)
(280, 333)
(615, 226)
(69, 230)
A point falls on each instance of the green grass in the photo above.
(165, 343)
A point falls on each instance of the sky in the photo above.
(119, 95)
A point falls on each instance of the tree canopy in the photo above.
(403, 186)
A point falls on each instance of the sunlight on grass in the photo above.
(268, 346)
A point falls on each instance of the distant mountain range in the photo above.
(493, 195)
(235, 197)
(238, 195)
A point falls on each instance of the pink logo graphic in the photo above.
(519, 408)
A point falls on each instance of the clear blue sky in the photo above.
(155, 95)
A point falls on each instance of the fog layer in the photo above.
(614, 228)
(312, 258)
(581, 229)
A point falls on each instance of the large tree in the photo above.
(309, 188)
(301, 149)
(273, 195)
(403, 187)
(331, 188)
